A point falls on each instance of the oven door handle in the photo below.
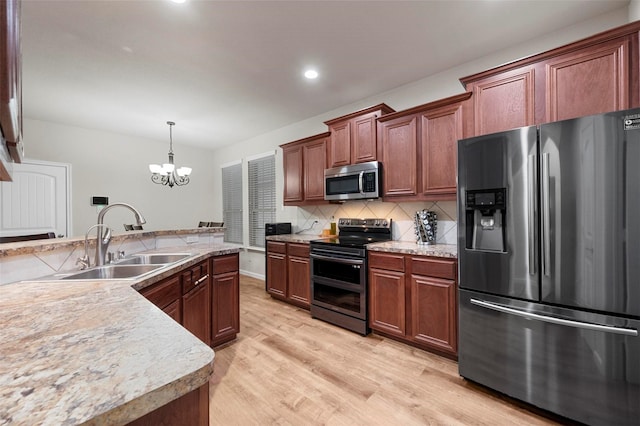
(338, 259)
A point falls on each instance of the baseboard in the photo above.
(252, 275)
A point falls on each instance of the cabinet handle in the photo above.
(201, 279)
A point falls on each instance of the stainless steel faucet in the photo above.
(104, 238)
(84, 260)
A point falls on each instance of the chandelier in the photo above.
(167, 174)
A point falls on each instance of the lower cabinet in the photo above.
(289, 273)
(414, 299)
(196, 297)
(203, 298)
(189, 409)
(225, 303)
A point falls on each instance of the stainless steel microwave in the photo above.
(353, 182)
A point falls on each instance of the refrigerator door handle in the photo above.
(546, 249)
(554, 320)
(531, 213)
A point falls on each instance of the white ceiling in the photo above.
(226, 71)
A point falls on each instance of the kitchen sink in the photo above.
(112, 272)
(154, 259)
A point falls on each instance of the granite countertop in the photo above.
(409, 247)
(95, 351)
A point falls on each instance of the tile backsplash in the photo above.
(34, 265)
(402, 214)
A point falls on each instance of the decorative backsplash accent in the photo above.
(403, 215)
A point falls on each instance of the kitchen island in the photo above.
(96, 352)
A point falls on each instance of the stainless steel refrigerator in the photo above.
(549, 265)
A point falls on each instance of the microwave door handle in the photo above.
(361, 183)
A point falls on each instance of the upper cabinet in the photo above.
(418, 149)
(591, 76)
(354, 136)
(304, 162)
(10, 80)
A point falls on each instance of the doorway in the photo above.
(37, 201)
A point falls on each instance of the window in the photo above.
(232, 202)
(262, 197)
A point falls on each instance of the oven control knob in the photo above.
(377, 223)
(384, 223)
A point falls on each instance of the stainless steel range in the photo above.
(339, 289)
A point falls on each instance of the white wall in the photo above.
(634, 10)
(116, 166)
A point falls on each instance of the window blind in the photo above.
(262, 197)
(232, 202)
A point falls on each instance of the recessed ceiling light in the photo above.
(178, 1)
(311, 74)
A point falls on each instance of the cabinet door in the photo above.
(164, 293)
(363, 142)
(315, 161)
(399, 155)
(588, 81)
(293, 174)
(340, 144)
(504, 101)
(277, 273)
(441, 129)
(387, 308)
(196, 314)
(226, 314)
(174, 310)
(434, 312)
(299, 282)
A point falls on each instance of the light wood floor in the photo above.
(288, 369)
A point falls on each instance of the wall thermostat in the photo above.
(99, 201)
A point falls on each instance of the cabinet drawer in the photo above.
(163, 293)
(431, 267)
(276, 247)
(300, 250)
(194, 276)
(393, 262)
(224, 264)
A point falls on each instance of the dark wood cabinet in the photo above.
(166, 295)
(434, 303)
(196, 301)
(400, 156)
(591, 76)
(304, 162)
(225, 309)
(504, 101)
(190, 409)
(418, 148)
(293, 174)
(414, 299)
(387, 310)
(298, 274)
(588, 81)
(288, 272)
(314, 155)
(277, 269)
(203, 298)
(354, 136)
(10, 83)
